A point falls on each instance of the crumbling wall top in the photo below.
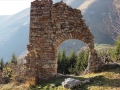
(39, 2)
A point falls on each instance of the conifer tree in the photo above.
(59, 62)
(72, 58)
(86, 56)
(63, 62)
(72, 62)
(13, 59)
(1, 64)
(117, 48)
(79, 66)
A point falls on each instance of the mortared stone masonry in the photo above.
(50, 25)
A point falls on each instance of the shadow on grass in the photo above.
(101, 81)
(111, 68)
(94, 81)
(55, 81)
(58, 81)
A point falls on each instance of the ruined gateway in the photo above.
(50, 25)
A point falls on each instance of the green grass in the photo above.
(48, 85)
(102, 46)
(106, 80)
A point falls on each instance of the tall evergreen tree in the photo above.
(59, 62)
(63, 62)
(86, 56)
(80, 63)
(72, 58)
(72, 62)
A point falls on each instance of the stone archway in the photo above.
(51, 24)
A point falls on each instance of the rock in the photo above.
(70, 83)
(59, 75)
(45, 66)
(86, 81)
(52, 85)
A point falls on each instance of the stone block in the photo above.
(46, 66)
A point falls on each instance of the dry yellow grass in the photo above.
(106, 80)
(17, 85)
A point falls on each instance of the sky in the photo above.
(9, 7)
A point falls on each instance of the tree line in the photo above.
(112, 52)
(76, 63)
(73, 63)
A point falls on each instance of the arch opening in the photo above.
(71, 44)
(72, 57)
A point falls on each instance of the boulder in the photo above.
(70, 83)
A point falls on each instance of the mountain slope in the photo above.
(94, 16)
(14, 33)
(14, 29)
(85, 5)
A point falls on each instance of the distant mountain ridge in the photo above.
(14, 29)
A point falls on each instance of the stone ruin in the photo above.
(50, 25)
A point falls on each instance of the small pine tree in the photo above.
(72, 62)
(117, 48)
(63, 62)
(13, 59)
(59, 62)
(1, 64)
(86, 56)
(72, 58)
(80, 63)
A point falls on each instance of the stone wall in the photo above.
(50, 25)
(117, 4)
